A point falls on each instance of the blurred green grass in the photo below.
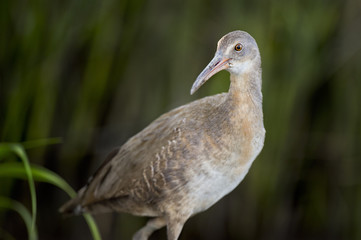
(30, 173)
(97, 72)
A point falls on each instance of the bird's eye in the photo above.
(238, 47)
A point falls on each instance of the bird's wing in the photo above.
(141, 162)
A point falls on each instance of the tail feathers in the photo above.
(72, 207)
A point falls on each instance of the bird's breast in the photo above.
(212, 182)
(227, 155)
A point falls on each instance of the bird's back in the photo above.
(155, 163)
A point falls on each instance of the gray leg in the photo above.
(149, 228)
(174, 227)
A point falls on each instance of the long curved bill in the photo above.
(217, 64)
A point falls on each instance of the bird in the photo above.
(190, 157)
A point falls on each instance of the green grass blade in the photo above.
(92, 226)
(19, 150)
(41, 174)
(7, 203)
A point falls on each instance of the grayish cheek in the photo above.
(229, 50)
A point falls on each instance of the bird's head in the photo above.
(237, 52)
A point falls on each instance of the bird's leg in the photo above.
(174, 227)
(149, 228)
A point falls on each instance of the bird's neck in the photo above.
(245, 88)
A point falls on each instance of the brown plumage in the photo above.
(190, 157)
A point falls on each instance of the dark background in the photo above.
(96, 72)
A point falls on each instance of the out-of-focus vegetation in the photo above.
(30, 172)
(96, 72)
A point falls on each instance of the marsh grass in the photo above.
(26, 171)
